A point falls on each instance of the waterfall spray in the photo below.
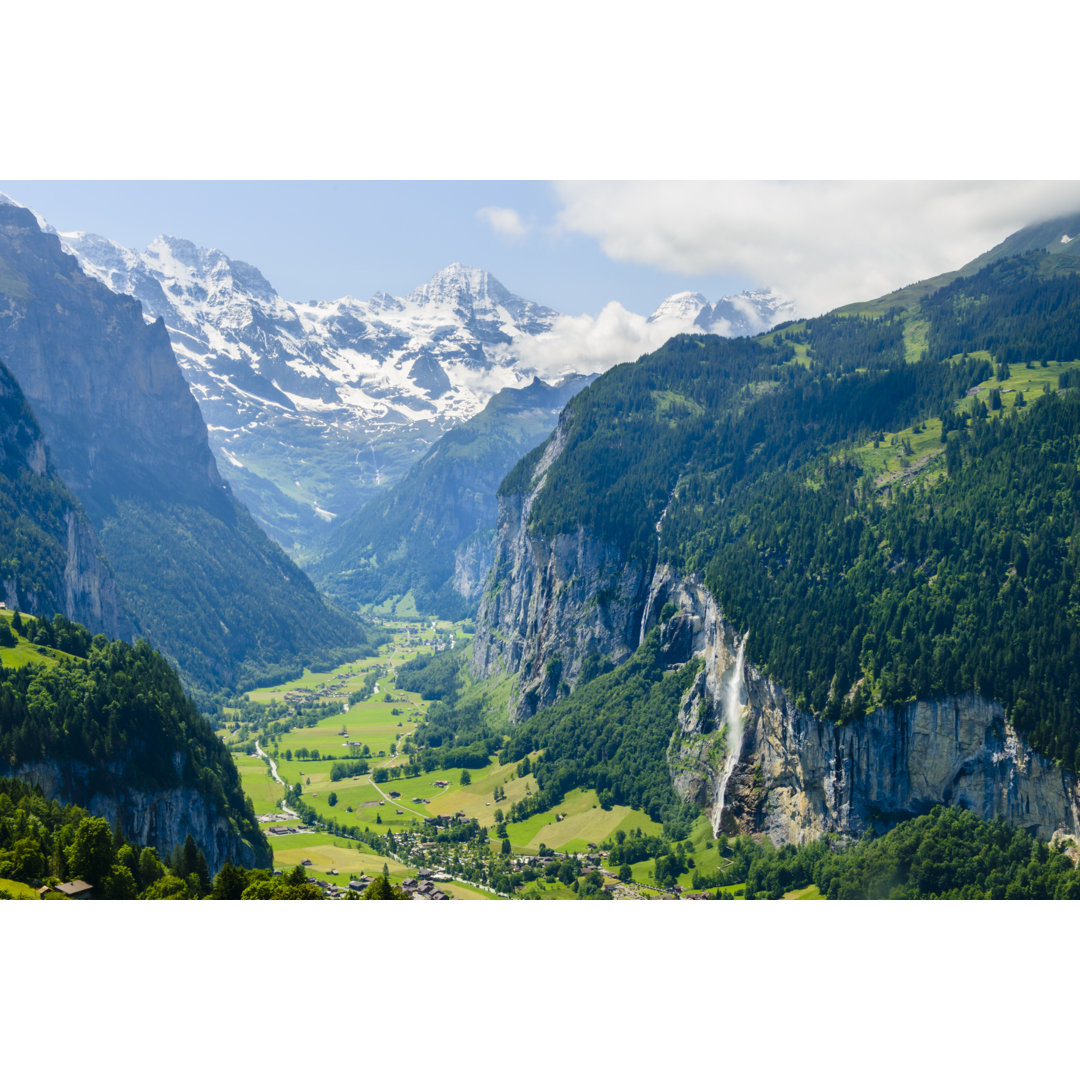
(733, 717)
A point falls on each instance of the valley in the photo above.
(356, 823)
(791, 614)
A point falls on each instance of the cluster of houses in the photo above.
(312, 695)
(424, 887)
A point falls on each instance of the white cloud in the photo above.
(504, 221)
(824, 243)
(586, 344)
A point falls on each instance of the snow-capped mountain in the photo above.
(747, 313)
(312, 407)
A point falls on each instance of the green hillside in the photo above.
(888, 503)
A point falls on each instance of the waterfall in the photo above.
(733, 717)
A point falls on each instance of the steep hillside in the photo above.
(199, 577)
(432, 533)
(869, 518)
(52, 558)
(107, 726)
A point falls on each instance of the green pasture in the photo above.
(23, 653)
(21, 891)
(584, 822)
(889, 459)
(265, 793)
(811, 892)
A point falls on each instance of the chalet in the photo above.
(306, 862)
(76, 890)
(395, 794)
(441, 783)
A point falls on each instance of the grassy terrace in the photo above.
(890, 460)
(23, 653)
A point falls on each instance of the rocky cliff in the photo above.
(127, 438)
(554, 602)
(432, 533)
(796, 777)
(161, 819)
(52, 558)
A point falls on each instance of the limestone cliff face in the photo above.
(52, 558)
(798, 778)
(105, 387)
(551, 603)
(161, 819)
(472, 564)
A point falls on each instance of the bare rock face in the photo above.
(553, 602)
(794, 777)
(798, 777)
(53, 560)
(161, 819)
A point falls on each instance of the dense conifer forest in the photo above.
(119, 710)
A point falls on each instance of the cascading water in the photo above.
(734, 701)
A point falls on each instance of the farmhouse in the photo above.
(76, 890)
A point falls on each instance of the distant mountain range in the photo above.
(313, 407)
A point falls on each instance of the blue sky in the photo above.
(324, 239)
(574, 246)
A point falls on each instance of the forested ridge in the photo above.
(948, 854)
(120, 710)
(956, 576)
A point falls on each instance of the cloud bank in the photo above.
(587, 344)
(503, 220)
(823, 243)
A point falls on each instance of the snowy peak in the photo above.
(475, 294)
(180, 261)
(746, 314)
(683, 306)
(459, 285)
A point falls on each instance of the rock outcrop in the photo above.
(162, 819)
(798, 777)
(552, 603)
(52, 557)
(126, 436)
